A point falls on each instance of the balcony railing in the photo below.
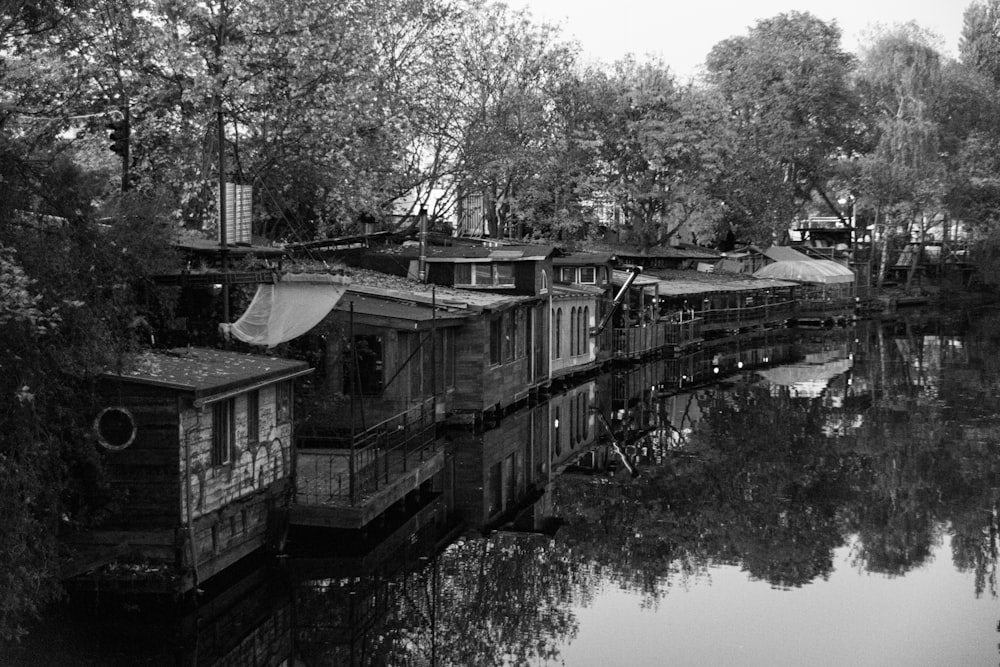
(642, 340)
(748, 314)
(336, 468)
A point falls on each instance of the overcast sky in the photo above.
(683, 33)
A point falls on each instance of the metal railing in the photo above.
(337, 469)
(744, 315)
(641, 340)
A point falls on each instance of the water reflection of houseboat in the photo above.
(500, 471)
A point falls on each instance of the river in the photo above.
(836, 507)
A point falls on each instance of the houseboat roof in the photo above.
(581, 258)
(679, 282)
(367, 281)
(683, 287)
(394, 309)
(618, 277)
(506, 253)
(563, 289)
(208, 373)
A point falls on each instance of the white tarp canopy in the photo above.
(823, 271)
(288, 308)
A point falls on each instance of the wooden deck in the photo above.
(324, 495)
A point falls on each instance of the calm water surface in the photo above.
(838, 510)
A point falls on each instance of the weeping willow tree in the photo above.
(899, 78)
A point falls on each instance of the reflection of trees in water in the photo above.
(759, 481)
(762, 484)
(506, 599)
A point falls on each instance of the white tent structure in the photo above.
(818, 271)
(290, 307)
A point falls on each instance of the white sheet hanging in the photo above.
(288, 308)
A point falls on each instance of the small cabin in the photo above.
(197, 445)
(524, 270)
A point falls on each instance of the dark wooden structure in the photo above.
(197, 444)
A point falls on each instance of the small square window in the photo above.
(588, 275)
(463, 274)
(505, 273)
(483, 274)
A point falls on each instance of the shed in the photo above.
(197, 442)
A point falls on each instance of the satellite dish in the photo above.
(115, 428)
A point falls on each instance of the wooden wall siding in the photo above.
(146, 472)
(505, 451)
(480, 385)
(254, 467)
(234, 531)
(527, 277)
(585, 356)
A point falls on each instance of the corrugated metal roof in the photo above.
(444, 297)
(409, 313)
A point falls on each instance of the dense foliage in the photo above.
(341, 112)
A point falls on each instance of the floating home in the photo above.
(197, 445)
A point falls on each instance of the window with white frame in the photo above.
(484, 274)
(588, 275)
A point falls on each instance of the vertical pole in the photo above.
(354, 390)
(422, 268)
(221, 135)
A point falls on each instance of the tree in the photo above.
(904, 175)
(787, 85)
(979, 44)
(657, 149)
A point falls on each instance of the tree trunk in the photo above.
(883, 259)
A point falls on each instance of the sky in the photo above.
(683, 33)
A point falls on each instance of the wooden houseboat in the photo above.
(394, 362)
(726, 304)
(644, 327)
(197, 445)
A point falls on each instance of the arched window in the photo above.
(572, 331)
(558, 340)
(585, 339)
(557, 445)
